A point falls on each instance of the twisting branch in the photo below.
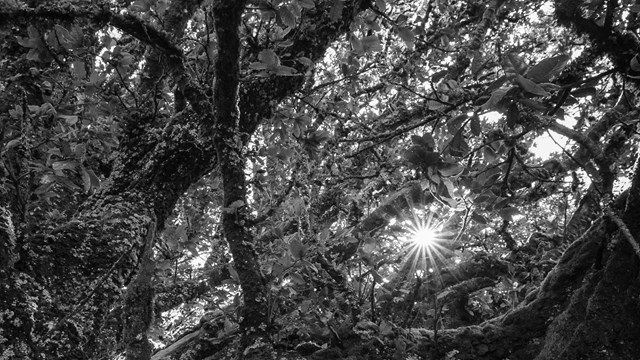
(624, 230)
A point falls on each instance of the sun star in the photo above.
(424, 243)
(424, 237)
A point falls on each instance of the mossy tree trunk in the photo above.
(62, 278)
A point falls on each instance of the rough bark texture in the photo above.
(138, 304)
(75, 271)
(60, 281)
(602, 320)
(236, 217)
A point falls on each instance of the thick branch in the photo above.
(236, 216)
(138, 310)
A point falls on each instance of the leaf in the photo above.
(16, 112)
(298, 206)
(407, 36)
(421, 157)
(584, 92)
(295, 9)
(318, 137)
(336, 10)
(426, 141)
(381, 5)
(378, 279)
(62, 35)
(297, 278)
(454, 124)
(508, 213)
(78, 69)
(533, 104)
(64, 165)
(495, 98)
(496, 84)
(479, 218)
(284, 70)
(443, 295)
(34, 34)
(305, 61)
(95, 181)
(513, 115)
(276, 270)
(369, 246)
(307, 4)
(477, 63)
(356, 45)
(192, 247)
(550, 87)
(236, 204)
(489, 154)
(233, 273)
(141, 5)
(439, 75)
(548, 68)
(386, 328)
(69, 119)
(269, 57)
(257, 66)
(513, 65)
(285, 43)
(13, 143)
(287, 17)
(86, 179)
(445, 190)
(433, 105)
(371, 43)
(297, 248)
(458, 146)
(476, 129)
(450, 170)
(530, 87)
(46, 109)
(323, 236)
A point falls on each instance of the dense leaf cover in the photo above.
(388, 179)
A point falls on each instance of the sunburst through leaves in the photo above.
(424, 243)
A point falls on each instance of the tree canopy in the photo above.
(319, 179)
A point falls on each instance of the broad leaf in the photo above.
(530, 86)
(407, 36)
(371, 43)
(548, 68)
(297, 248)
